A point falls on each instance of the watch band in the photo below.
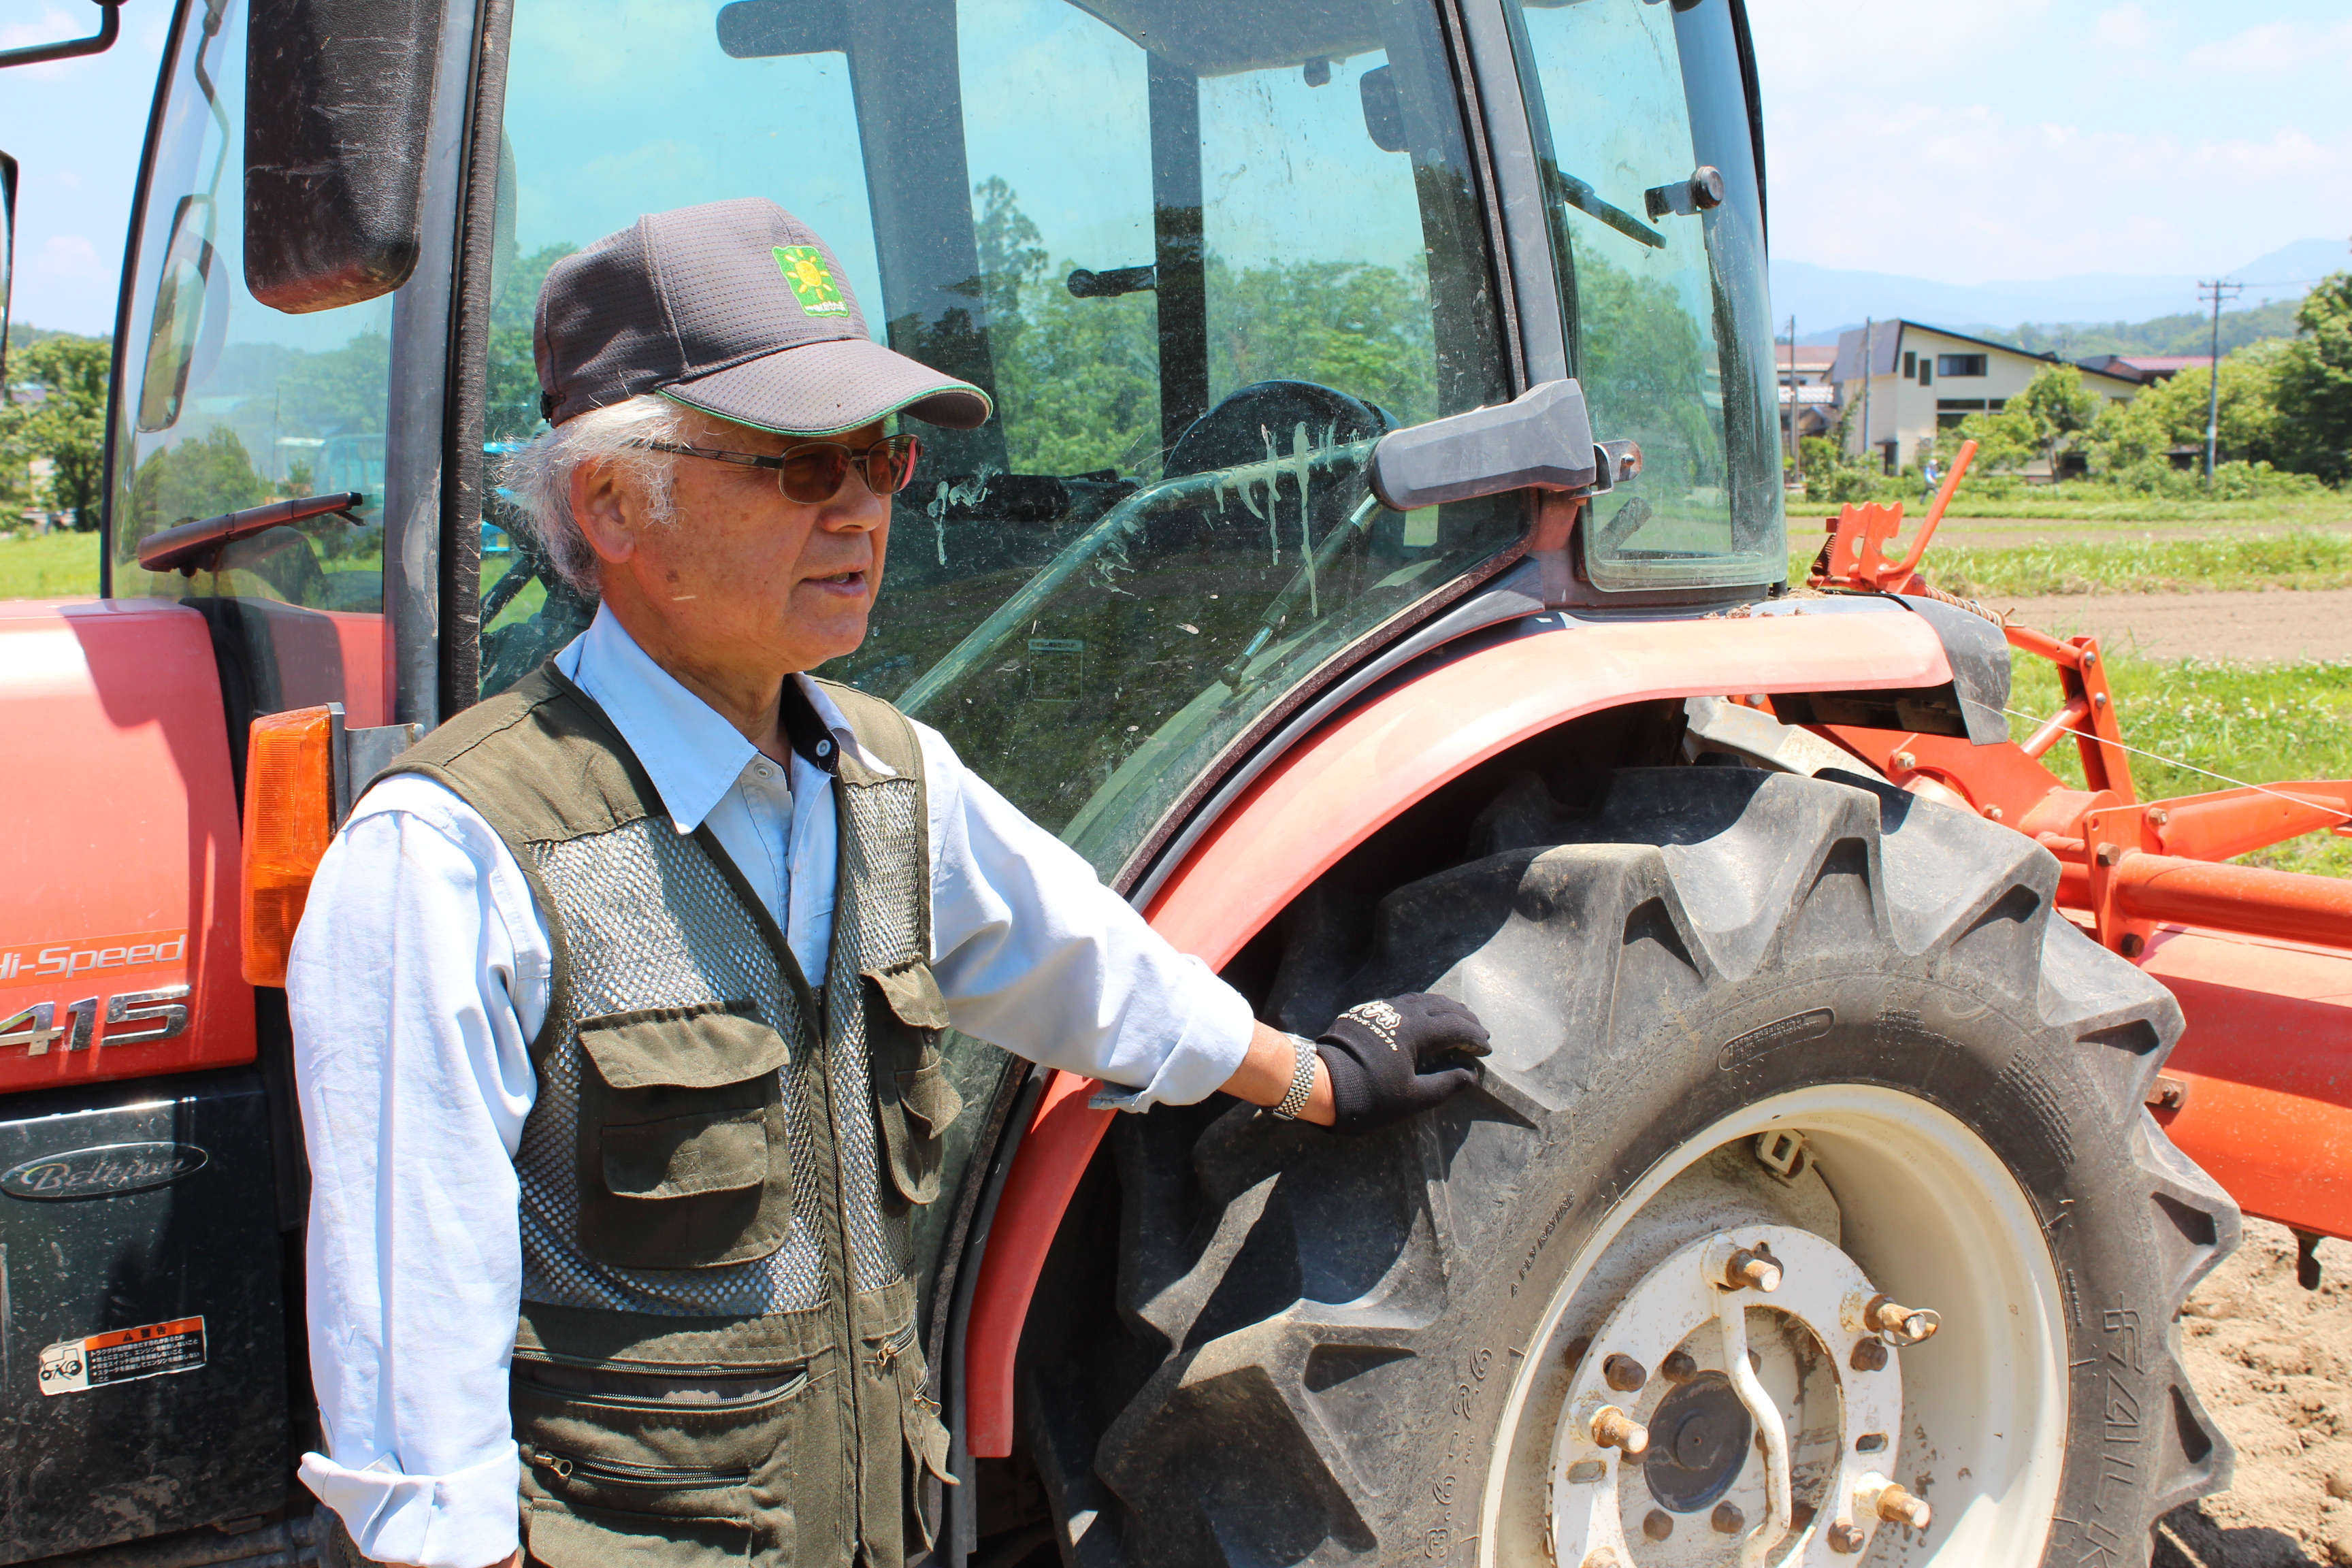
(1302, 1079)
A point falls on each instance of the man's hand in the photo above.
(1388, 1060)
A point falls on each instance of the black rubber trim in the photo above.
(464, 494)
(139, 194)
(1516, 192)
(1470, 99)
(1746, 45)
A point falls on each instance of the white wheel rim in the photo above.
(1930, 1217)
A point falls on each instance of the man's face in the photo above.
(746, 577)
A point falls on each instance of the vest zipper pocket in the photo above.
(892, 1348)
(608, 1472)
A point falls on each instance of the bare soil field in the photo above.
(2225, 627)
(2273, 1363)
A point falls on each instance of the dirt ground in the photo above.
(2227, 627)
(2273, 1363)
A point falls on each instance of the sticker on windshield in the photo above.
(804, 267)
(124, 1355)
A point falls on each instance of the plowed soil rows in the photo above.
(2273, 1363)
(2227, 628)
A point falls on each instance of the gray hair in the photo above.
(538, 477)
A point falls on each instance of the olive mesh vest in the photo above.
(718, 1168)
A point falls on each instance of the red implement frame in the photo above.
(2257, 1091)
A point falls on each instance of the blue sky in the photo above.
(2004, 139)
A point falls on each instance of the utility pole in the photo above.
(1796, 457)
(2215, 291)
(1869, 331)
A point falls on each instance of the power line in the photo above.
(2215, 291)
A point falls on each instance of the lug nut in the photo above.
(1846, 1538)
(1728, 1519)
(1624, 1374)
(1896, 1505)
(1612, 1428)
(1905, 1325)
(1658, 1525)
(1752, 1270)
(1869, 1355)
(1679, 1368)
(2107, 854)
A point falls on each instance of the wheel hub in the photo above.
(1700, 1441)
(1769, 1403)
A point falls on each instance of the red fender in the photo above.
(1342, 784)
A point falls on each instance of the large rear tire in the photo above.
(1729, 1007)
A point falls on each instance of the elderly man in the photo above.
(617, 1004)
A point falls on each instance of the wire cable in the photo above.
(2186, 767)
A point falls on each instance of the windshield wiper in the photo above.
(1586, 200)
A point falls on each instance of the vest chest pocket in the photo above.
(683, 1154)
(913, 1101)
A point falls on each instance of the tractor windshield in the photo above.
(1201, 254)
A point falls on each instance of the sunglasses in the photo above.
(813, 473)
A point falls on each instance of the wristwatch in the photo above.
(1302, 1078)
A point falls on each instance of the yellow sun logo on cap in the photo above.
(812, 280)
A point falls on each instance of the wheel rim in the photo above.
(1927, 1216)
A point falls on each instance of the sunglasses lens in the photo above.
(812, 474)
(890, 464)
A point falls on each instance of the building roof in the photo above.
(1886, 346)
(2147, 367)
(1807, 356)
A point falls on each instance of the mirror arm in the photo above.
(189, 548)
(109, 24)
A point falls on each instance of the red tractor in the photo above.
(1379, 570)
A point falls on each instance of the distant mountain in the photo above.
(1827, 300)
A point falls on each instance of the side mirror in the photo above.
(337, 100)
(1542, 439)
(7, 257)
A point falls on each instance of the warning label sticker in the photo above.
(123, 1355)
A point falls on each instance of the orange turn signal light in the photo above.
(289, 817)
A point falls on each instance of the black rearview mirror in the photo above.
(110, 25)
(1542, 439)
(338, 101)
(7, 256)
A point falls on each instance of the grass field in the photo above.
(2255, 726)
(2295, 560)
(49, 567)
(2295, 512)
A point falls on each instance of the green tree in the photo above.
(66, 426)
(2005, 441)
(2313, 384)
(2054, 410)
(2171, 413)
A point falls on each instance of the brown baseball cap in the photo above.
(738, 309)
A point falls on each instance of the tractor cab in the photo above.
(1200, 257)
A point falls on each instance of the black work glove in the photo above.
(1392, 1059)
